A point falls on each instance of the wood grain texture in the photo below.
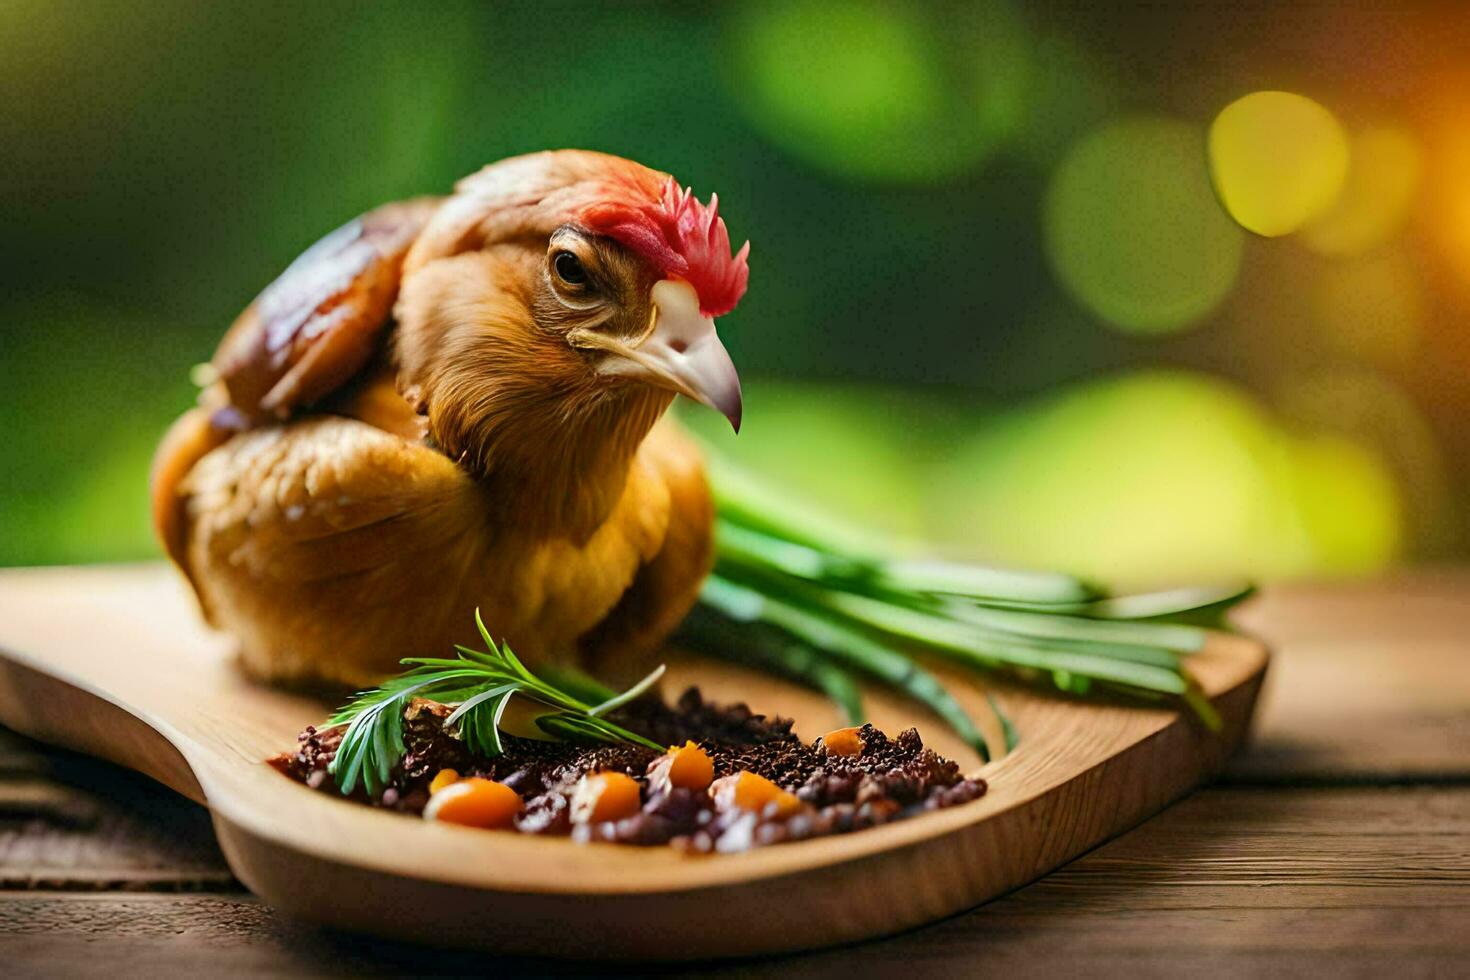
(1340, 880)
(1354, 882)
(1085, 772)
(72, 823)
(1375, 684)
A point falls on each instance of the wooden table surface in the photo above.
(1338, 844)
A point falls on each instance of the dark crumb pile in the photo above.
(888, 780)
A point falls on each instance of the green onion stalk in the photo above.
(800, 593)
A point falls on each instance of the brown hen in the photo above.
(457, 404)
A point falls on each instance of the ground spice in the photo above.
(889, 779)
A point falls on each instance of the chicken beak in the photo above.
(683, 353)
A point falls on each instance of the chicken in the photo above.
(457, 404)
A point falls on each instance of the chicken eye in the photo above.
(569, 269)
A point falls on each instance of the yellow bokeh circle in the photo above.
(1278, 160)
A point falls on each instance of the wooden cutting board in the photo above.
(114, 661)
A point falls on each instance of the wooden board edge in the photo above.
(34, 701)
(872, 894)
(875, 895)
(253, 806)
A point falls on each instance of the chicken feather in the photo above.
(470, 456)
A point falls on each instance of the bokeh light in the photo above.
(1139, 479)
(1347, 504)
(1362, 405)
(959, 210)
(1451, 192)
(1382, 180)
(1278, 159)
(1166, 472)
(1156, 471)
(877, 91)
(1133, 229)
(858, 449)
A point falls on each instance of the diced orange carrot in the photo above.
(691, 768)
(844, 741)
(445, 777)
(474, 802)
(754, 792)
(687, 766)
(603, 796)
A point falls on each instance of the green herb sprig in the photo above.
(796, 590)
(480, 683)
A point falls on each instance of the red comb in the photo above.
(684, 238)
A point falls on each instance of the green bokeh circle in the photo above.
(1133, 228)
(877, 91)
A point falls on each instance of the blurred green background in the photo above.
(1045, 285)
